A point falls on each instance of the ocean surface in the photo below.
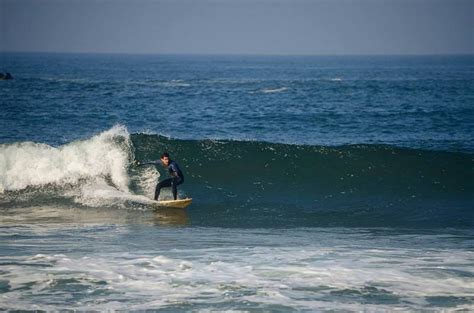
(319, 183)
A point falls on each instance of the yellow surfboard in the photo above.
(175, 204)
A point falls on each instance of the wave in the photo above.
(30, 164)
(91, 172)
(164, 83)
(303, 185)
(234, 182)
(273, 90)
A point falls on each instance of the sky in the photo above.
(307, 27)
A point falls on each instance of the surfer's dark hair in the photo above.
(165, 155)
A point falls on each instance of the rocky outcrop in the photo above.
(5, 76)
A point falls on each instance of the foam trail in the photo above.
(105, 155)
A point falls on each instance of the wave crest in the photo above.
(105, 155)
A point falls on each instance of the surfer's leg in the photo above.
(174, 186)
(165, 183)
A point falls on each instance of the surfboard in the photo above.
(175, 204)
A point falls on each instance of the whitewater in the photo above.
(98, 156)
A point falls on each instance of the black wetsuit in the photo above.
(177, 178)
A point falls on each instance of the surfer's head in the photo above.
(165, 159)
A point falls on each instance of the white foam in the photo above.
(173, 83)
(273, 90)
(287, 276)
(98, 193)
(148, 178)
(104, 156)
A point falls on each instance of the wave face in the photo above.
(263, 184)
(248, 183)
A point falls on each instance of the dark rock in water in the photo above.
(6, 76)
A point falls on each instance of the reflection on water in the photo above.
(170, 217)
(51, 214)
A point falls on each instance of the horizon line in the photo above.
(238, 54)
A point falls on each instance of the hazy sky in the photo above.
(239, 26)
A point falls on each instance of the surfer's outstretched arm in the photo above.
(138, 163)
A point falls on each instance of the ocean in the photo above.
(319, 183)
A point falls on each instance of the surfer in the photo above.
(177, 177)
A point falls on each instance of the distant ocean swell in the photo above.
(249, 183)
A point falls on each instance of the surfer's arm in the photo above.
(138, 163)
(174, 174)
(173, 170)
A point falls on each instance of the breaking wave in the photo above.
(254, 183)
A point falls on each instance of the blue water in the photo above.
(318, 183)
(423, 102)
